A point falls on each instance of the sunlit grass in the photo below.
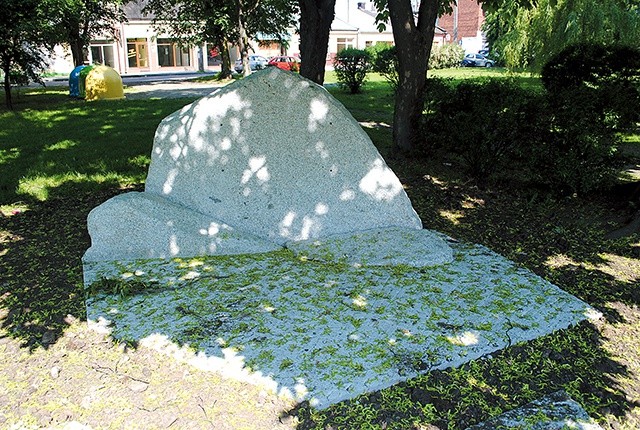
(53, 144)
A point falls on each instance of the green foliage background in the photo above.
(527, 36)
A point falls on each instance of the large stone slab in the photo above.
(329, 331)
(378, 247)
(277, 156)
(361, 299)
(557, 411)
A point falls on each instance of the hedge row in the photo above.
(563, 137)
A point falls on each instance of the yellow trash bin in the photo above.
(103, 83)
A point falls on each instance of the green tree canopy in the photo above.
(526, 36)
(26, 37)
(221, 21)
(79, 21)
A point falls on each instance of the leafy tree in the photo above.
(527, 35)
(316, 17)
(25, 40)
(194, 22)
(413, 30)
(385, 61)
(413, 24)
(79, 21)
(272, 17)
(221, 21)
(351, 67)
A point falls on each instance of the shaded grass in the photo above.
(59, 158)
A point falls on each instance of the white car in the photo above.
(256, 62)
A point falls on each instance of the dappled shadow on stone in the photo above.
(479, 390)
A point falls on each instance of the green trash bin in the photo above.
(82, 78)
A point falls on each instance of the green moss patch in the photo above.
(329, 332)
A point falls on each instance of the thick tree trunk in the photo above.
(413, 46)
(243, 44)
(7, 84)
(316, 17)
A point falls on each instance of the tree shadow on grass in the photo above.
(60, 158)
(40, 263)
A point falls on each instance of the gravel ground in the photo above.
(85, 381)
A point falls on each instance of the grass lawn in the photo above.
(59, 158)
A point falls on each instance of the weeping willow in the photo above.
(526, 37)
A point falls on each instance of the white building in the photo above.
(139, 48)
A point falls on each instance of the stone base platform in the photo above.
(327, 331)
(557, 411)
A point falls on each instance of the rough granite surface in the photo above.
(326, 332)
(557, 411)
(378, 247)
(142, 225)
(277, 156)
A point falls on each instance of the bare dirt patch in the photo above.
(85, 378)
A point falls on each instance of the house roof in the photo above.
(340, 25)
(133, 11)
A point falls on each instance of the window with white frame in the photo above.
(344, 43)
(102, 53)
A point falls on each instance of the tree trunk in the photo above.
(77, 52)
(243, 44)
(7, 84)
(225, 67)
(316, 17)
(413, 46)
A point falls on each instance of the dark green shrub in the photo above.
(385, 61)
(609, 73)
(351, 66)
(497, 129)
(577, 155)
(445, 56)
(485, 124)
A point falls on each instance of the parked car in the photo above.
(477, 60)
(285, 62)
(256, 62)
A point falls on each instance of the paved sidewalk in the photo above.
(171, 89)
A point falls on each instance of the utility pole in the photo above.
(455, 21)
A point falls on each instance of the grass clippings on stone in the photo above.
(328, 332)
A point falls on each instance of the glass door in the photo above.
(138, 53)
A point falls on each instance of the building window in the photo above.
(138, 52)
(344, 43)
(102, 53)
(170, 54)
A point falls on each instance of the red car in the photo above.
(285, 62)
